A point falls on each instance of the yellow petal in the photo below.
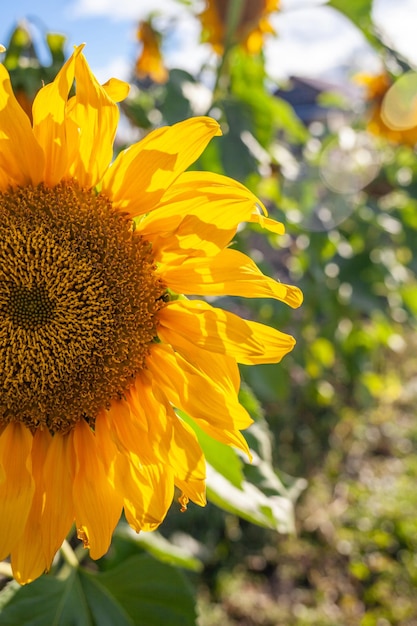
(17, 486)
(133, 428)
(199, 216)
(145, 486)
(196, 322)
(182, 450)
(266, 222)
(28, 557)
(93, 118)
(229, 273)
(188, 462)
(116, 89)
(21, 158)
(189, 389)
(141, 174)
(50, 125)
(58, 511)
(97, 504)
(148, 492)
(221, 368)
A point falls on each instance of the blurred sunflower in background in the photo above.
(252, 25)
(98, 347)
(150, 61)
(377, 87)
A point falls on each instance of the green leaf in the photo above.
(358, 11)
(152, 593)
(105, 611)
(239, 122)
(162, 549)
(48, 601)
(20, 42)
(174, 105)
(139, 592)
(250, 503)
(267, 502)
(56, 44)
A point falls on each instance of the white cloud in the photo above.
(122, 9)
(313, 41)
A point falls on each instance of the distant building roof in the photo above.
(303, 94)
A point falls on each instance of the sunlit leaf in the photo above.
(162, 549)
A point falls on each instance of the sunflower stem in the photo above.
(69, 555)
(233, 15)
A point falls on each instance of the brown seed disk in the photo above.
(79, 302)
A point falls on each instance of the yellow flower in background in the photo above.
(150, 62)
(253, 23)
(377, 88)
(96, 347)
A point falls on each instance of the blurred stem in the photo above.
(69, 555)
(233, 16)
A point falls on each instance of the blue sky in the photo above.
(313, 40)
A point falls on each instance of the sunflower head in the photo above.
(150, 62)
(377, 88)
(100, 346)
(252, 26)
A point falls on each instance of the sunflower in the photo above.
(377, 88)
(150, 62)
(253, 23)
(99, 344)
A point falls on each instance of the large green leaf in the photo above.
(250, 503)
(140, 592)
(251, 490)
(152, 593)
(51, 601)
(157, 545)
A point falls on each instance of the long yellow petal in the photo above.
(196, 322)
(182, 450)
(229, 273)
(188, 462)
(141, 174)
(148, 492)
(133, 428)
(189, 389)
(58, 511)
(199, 215)
(97, 504)
(50, 125)
(21, 158)
(145, 485)
(28, 558)
(16, 485)
(93, 118)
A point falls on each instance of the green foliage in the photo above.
(350, 246)
(140, 591)
(23, 63)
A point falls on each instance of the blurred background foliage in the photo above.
(321, 528)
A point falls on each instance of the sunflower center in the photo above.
(79, 302)
(29, 307)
